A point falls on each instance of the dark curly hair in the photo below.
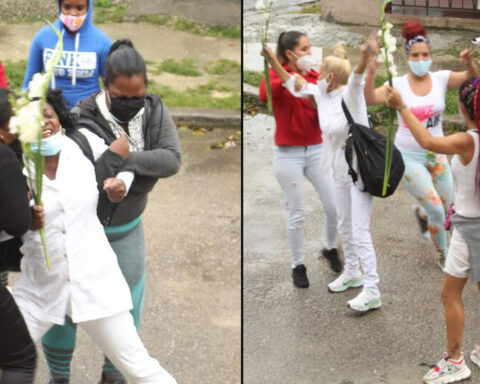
(56, 100)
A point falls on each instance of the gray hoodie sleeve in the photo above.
(164, 158)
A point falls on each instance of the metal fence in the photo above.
(439, 8)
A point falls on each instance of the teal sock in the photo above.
(58, 345)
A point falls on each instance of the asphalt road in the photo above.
(191, 318)
(306, 336)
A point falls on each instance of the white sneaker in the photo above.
(475, 355)
(365, 301)
(345, 281)
(476, 40)
(447, 371)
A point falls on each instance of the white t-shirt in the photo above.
(428, 109)
(333, 122)
(467, 203)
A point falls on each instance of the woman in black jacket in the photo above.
(123, 107)
(17, 351)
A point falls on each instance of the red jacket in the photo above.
(296, 119)
(3, 77)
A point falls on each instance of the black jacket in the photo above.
(160, 158)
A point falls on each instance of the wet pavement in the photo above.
(306, 336)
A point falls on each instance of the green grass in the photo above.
(106, 12)
(452, 103)
(196, 97)
(223, 67)
(314, 8)
(252, 77)
(186, 67)
(15, 71)
(187, 25)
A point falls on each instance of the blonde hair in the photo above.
(338, 63)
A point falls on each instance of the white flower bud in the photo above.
(26, 122)
(36, 86)
(260, 5)
(267, 16)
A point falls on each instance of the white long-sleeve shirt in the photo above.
(333, 122)
(84, 274)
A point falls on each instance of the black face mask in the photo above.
(125, 108)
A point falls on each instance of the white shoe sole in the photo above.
(458, 376)
(354, 284)
(475, 359)
(366, 308)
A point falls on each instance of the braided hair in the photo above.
(469, 96)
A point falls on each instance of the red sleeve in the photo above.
(3, 77)
(275, 84)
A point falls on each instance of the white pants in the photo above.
(118, 339)
(354, 209)
(291, 165)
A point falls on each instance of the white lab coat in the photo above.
(85, 280)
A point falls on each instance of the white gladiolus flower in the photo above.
(36, 86)
(391, 43)
(26, 122)
(388, 26)
(260, 5)
(393, 70)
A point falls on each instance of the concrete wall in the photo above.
(367, 12)
(206, 12)
(25, 8)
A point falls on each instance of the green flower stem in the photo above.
(389, 149)
(269, 88)
(265, 68)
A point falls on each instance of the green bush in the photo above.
(15, 71)
(252, 77)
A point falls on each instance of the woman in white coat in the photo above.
(84, 281)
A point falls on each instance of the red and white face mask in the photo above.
(72, 23)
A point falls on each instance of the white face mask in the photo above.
(305, 63)
(323, 85)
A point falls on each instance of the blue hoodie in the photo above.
(86, 51)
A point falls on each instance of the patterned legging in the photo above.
(428, 178)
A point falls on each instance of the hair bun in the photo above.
(412, 29)
(340, 50)
(121, 43)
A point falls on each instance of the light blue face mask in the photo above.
(420, 68)
(50, 146)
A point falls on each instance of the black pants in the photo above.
(17, 352)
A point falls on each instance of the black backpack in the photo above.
(370, 148)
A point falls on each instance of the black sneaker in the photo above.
(299, 275)
(422, 223)
(117, 381)
(59, 380)
(332, 256)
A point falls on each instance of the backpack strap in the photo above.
(80, 139)
(347, 114)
